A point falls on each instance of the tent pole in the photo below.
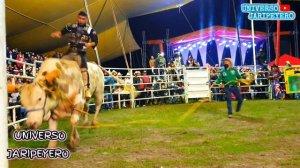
(91, 24)
(144, 54)
(278, 39)
(3, 89)
(130, 57)
(168, 44)
(296, 39)
(253, 47)
(268, 42)
(238, 32)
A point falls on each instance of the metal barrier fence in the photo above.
(163, 85)
(260, 86)
(13, 119)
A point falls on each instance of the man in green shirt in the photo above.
(229, 78)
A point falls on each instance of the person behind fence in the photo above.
(262, 79)
(275, 77)
(229, 78)
(189, 61)
(160, 62)
(178, 65)
(214, 72)
(261, 57)
(109, 83)
(287, 66)
(82, 36)
(152, 64)
(147, 82)
(140, 86)
(13, 100)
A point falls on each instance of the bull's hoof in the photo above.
(85, 123)
(72, 148)
(95, 123)
(51, 146)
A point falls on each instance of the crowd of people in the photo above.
(17, 68)
(272, 77)
(160, 83)
(173, 62)
(149, 89)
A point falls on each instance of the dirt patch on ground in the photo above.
(265, 159)
(152, 155)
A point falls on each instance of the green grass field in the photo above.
(264, 134)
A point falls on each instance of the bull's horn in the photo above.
(51, 76)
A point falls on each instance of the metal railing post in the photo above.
(132, 93)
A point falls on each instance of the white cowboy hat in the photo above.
(114, 73)
(228, 59)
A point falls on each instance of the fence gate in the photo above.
(197, 84)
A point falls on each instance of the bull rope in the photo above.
(181, 119)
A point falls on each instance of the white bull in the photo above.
(58, 92)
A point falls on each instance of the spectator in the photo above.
(262, 79)
(156, 88)
(16, 70)
(171, 63)
(109, 83)
(14, 54)
(126, 89)
(13, 100)
(287, 65)
(7, 53)
(275, 76)
(140, 87)
(152, 64)
(19, 81)
(20, 57)
(191, 62)
(249, 76)
(261, 58)
(160, 62)
(214, 72)
(147, 82)
(178, 61)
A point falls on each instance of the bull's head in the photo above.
(40, 98)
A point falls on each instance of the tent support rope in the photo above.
(119, 35)
(187, 20)
(91, 24)
(31, 18)
(100, 13)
